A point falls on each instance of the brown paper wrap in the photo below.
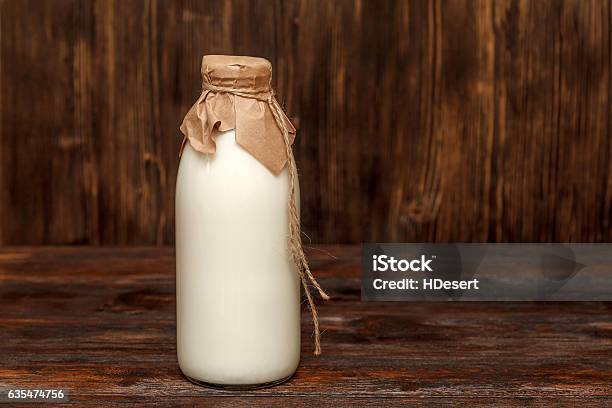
(247, 109)
(237, 94)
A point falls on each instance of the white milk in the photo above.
(238, 293)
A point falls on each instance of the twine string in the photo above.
(295, 240)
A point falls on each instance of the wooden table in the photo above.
(100, 322)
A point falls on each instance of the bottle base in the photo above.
(238, 387)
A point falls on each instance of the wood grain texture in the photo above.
(101, 323)
(446, 120)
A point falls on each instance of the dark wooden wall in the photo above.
(453, 120)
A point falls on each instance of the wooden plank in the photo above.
(447, 201)
(124, 126)
(101, 322)
(553, 121)
(84, 90)
(42, 197)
